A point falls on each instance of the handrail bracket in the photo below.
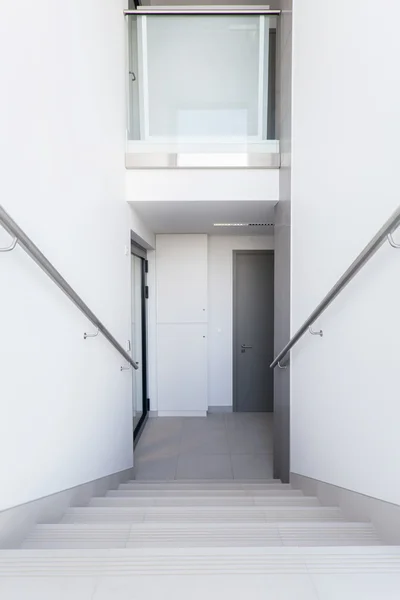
(11, 246)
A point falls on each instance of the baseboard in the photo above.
(182, 413)
(355, 506)
(16, 522)
(220, 409)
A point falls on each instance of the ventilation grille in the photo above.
(243, 224)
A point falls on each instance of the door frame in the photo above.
(234, 315)
(141, 252)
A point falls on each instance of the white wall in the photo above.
(181, 276)
(148, 239)
(346, 98)
(65, 407)
(220, 318)
(202, 184)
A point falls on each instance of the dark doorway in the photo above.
(139, 337)
(253, 330)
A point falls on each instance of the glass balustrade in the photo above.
(202, 83)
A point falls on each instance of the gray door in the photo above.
(253, 331)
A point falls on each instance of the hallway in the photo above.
(220, 446)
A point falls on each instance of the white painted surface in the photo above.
(65, 410)
(345, 408)
(181, 276)
(182, 368)
(200, 216)
(280, 582)
(140, 228)
(202, 184)
(152, 331)
(220, 318)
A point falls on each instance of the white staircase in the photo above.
(195, 529)
(202, 515)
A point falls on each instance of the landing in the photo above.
(220, 446)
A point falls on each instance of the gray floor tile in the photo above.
(210, 423)
(206, 448)
(153, 447)
(250, 440)
(211, 466)
(252, 466)
(263, 441)
(240, 441)
(246, 421)
(208, 441)
(171, 422)
(156, 468)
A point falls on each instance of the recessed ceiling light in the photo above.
(231, 224)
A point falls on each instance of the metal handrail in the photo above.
(33, 251)
(385, 233)
(201, 10)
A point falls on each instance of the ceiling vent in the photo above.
(243, 224)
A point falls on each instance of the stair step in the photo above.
(178, 485)
(203, 482)
(179, 493)
(202, 514)
(199, 561)
(226, 502)
(189, 536)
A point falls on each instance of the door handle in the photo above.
(246, 347)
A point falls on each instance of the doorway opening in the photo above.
(140, 403)
(253, 330)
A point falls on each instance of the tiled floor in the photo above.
(220, 446)
(288, 586)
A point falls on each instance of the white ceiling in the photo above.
(199, 217)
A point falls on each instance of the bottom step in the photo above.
(144, 561)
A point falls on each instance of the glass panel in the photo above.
(199, 78)
(137, 349)
(203, 76)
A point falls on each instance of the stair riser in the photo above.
(203, 502)
(206, 487)
(134, 493)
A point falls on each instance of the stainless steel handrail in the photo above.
(385, 233)
(201, 10)
(30, 248)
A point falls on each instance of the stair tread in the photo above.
(189, 535)
(206, 481)
(225, 502)
(199, 514)
(203, 486)
(201, 561)
(200, 493)
(198, 509)
(146, 526)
